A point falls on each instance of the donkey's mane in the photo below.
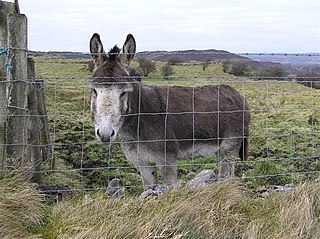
(114, 51)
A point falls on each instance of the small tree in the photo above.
(225, 66)
(205, 65)
(174, 61)
(167, 70)
(147, 66)
(239, 69)
(276, 72)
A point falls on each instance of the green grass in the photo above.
(284, 139)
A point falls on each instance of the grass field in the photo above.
(284, 140)
(284, 148)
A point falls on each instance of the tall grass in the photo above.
(221, 210)
(21, 209)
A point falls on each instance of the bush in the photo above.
(147, 66)
(239, 69)
(205, 65)
(174, 61)
(276, 72)
(167, 70)
(225, 66)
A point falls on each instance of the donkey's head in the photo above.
(110, 86)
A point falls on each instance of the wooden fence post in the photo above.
(24, 133)
(44, 131)
(35, 147)
(5, 9)
(17, 130)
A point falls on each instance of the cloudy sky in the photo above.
(286, 26)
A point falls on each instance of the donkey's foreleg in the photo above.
(149, 176)
(168, 174)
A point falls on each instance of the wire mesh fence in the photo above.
(284, 130)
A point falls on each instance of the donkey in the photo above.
(158, 125)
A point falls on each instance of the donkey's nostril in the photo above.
(98, 133)
(112, 133)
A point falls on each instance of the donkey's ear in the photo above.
(96, 49)
(128, 49)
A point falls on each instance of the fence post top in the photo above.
(15, 3)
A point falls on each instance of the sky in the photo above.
(240, 26)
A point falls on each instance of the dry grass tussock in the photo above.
(21, 209)
(221, 210)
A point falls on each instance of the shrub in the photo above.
(225, 66)
(239, 69)
(205, 65)
(147, 66)
(174, 61)
(276, 72)
(167, 70)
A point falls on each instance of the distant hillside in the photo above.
(296, 59)
(62, 54)
(185, 56)
(204, 56)
(192, 55)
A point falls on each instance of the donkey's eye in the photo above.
(122, 94)
(94, 92)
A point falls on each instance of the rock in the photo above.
(148, 194)
(115, 189)
(317, 180)
(274, 189)
(161, 189)
(263, 192)
(158, 191)
(203, 178)
(86, 198)
(283, 188)
(179, 184)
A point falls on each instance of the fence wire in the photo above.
(284, 131)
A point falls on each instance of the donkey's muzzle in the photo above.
(105, 136)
